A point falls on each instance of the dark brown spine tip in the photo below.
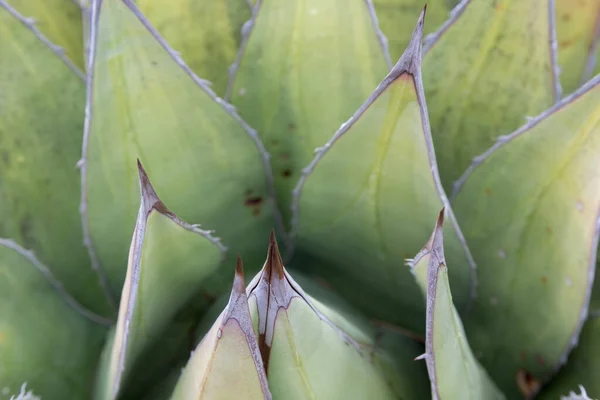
(150, 199)
(437, 245)
(440, 220)
(274, 262)
(410, 61)
(239, 284)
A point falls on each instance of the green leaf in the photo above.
(154, 290)
(305, 68)
(485, 70)
(365, 201)
(578, 33)
(228, 353)
(530, 209)
(41, 121)
(396, 19)
(582, 368)
(208, 33)
(145, 103)
(308, 353)
(453, 370)
(57, 20)
(46, 338)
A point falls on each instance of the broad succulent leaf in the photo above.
(583, 367)
(453, 370)
(487, 68)
(357, 225)
(169, 261)
(208, 33)
(306, 67)
(47, 339)
(41, 119)
(144, 102)
(305, 354)
(529, 208)
(578, 34)
(228, 353)
(396, 19)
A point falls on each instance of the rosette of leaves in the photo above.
(339, 129)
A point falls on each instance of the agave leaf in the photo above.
(305, 66)
(583, 366)
(453, 370)
(143, 101)
(365, 226)
(305, 354)
(57, 20)
(530, 208)
(41, 120)
(208, 33)
(490, 66)
(154, 290)
(46, 340)
(396, 18)
(578, 33)
(228, 353)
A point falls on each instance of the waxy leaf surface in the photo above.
(529, 209)
(146, 104)
(366, 225)
(169, 261)
(583, 367)
(305, 68)
(41, 123)
(207, 33)
(454, 372)
(485, 70)
(44, 341)
(578, 34)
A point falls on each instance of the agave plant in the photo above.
(436, 199)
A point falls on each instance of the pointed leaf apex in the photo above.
(150, 199)
(274, 262)
(410, 61)
(437, 239)
(239, 285)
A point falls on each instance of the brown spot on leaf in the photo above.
(285, 156)
(487, 191)
(527, 384)
(287, 173)
(254, 203)
(292, 126)
(540, 360)
(544, 279)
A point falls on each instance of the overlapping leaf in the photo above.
(453, 370)
(207, 33)
(144, 102)
(486, 69)
(169, 261)
(41, 121)
(46, 341)
(305, 68)
(578, 34)
(529, 208)
(364, 226)
(583, 367)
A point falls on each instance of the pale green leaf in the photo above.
(41, 125)
(366, 201)
(583, 367)
(305, 68)
(46, 341)
(453, 370)
(145, 103)
(228, 353)
(169, 261)
(207, 33)
(578, 33)
(529, 208)
(486, 69)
